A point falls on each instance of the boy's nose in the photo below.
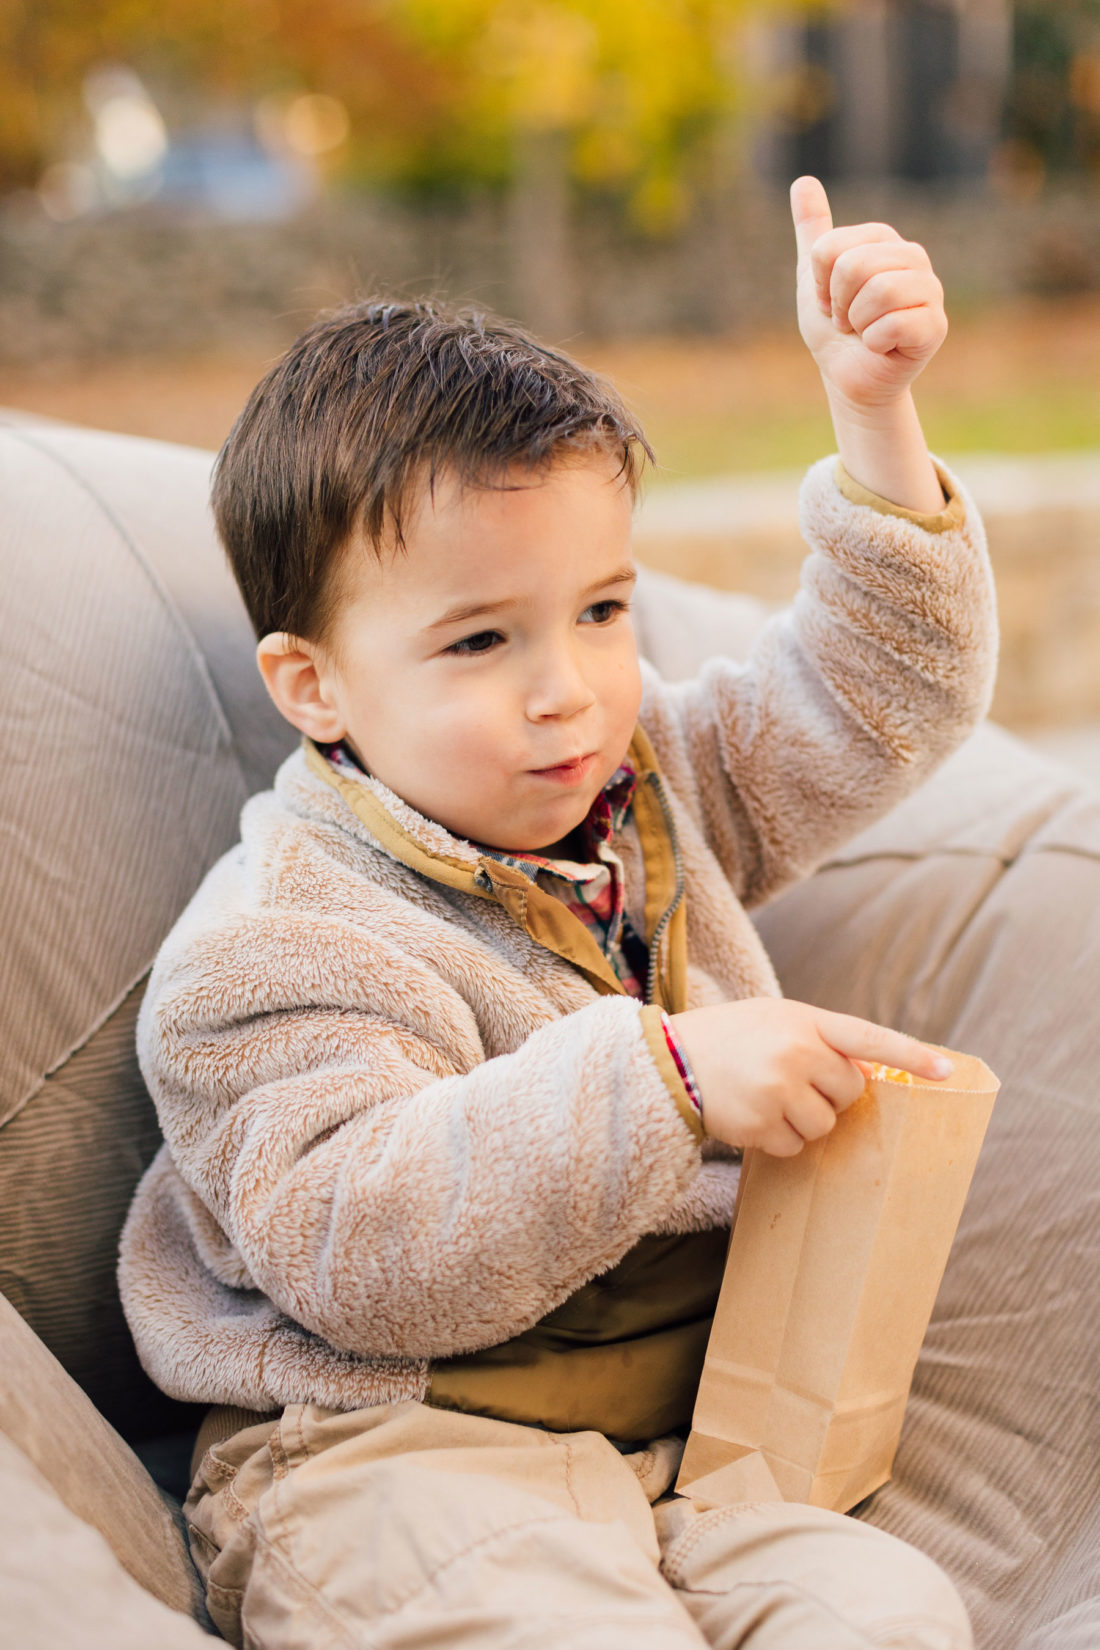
(559, 689)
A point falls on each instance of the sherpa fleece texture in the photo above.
(396, 1127)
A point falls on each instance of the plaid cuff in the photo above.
(682, 1064)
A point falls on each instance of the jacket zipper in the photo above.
(484, 880)
(669, 912)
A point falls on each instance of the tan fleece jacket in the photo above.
(404, 1118)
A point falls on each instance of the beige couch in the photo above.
(134, 727)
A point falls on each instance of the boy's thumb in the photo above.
(810, 211)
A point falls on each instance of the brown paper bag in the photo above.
(833, 1268)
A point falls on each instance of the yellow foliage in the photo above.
(431, 87)
(633, 83)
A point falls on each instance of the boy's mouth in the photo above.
(570, 772)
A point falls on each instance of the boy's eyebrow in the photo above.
(477, 610)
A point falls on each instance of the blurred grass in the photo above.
(1011, 378)
(1019, 378)
(1039, 418)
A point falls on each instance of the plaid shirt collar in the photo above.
(606, 816)
(591, 889)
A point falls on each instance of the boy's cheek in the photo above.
(628, 686)
(461, 718)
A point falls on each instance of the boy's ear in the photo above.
(292, 675)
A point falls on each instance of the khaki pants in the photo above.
(406, 1527)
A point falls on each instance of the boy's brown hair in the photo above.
(370, 403)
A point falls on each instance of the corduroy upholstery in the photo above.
(133, 727)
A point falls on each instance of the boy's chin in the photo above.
(553, 842)
(567, 844)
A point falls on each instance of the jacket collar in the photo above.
(425, 848)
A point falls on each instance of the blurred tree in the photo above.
(198, 57)
(1053, 116)
(442, 94)
(633, 101)
(628, 83)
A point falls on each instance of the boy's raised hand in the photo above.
(870, 307)
(775, 1073)
(871, 310)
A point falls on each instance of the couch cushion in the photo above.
(69, 1161)
(134, 725)
(971, 916)
(129, 770)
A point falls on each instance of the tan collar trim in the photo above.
(546, 919)
(659, 856)
(642, 754)
(368, 807)
(551, 924)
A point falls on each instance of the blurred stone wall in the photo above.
(146, 282)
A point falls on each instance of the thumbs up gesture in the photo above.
(870, 307)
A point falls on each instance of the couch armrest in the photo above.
(62, 1585)
(69, 1449)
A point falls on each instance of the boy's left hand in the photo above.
(870, 307)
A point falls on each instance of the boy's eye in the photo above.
(603, 611)
(483, 641)
(479, 643)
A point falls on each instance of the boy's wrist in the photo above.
(882, 448)
(673, 1065)
(682, 1063)
(951, 514)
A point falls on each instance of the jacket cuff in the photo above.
(953, 513)
(653, 1020)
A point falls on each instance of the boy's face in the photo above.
(489, 676)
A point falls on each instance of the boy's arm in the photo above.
(886, 660)
(373, 1175)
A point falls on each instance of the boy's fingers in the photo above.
(891, 293)
(863, 1040)
(811, 1114)
(810, 211)
(914, 333)
(782, 1140)
(852, 269)
(841, 1081)
(856, 238)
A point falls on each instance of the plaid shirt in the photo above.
(593, 889)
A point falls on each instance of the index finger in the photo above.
(863, 1040)
(811, 213)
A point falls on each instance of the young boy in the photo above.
(456, 1053)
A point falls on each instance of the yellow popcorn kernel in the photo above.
(889, 1074)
